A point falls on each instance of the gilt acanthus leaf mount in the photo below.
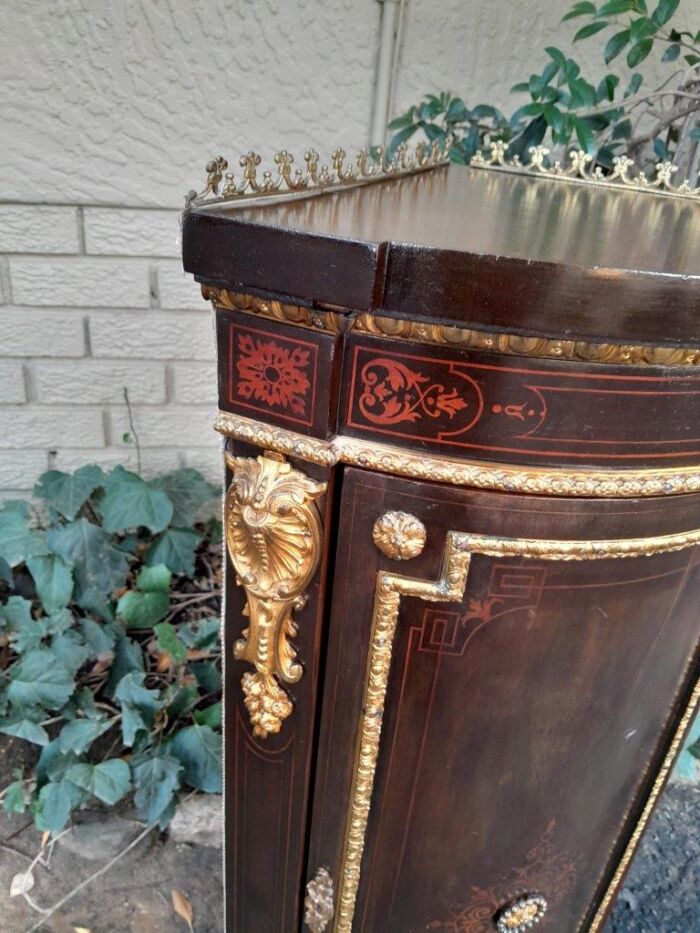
(273, 536)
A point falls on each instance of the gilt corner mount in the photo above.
(273, 536)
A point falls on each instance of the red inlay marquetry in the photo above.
(268, 372)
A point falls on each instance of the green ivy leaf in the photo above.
(156, 781)
(187, 489)
(209, 716)
(15, 614)
(198, 749)
(6, 572)
(67, 492)
(170, 643)
(180, 700)
(14, 799)
(694, 749)
(131, 502)
(128, 659)
(40, 679)
(138, 704)
(207, 674)
(77, 736)
(18, 542)
(175, 548)
(204, 633)
(25, 729)
(53, 580)
(70, 648)
(109, 780)
(634, 85)
(99, 567)
(99, 637)
(671, 53)
(149, 603)
(132, 691)
(57, 800)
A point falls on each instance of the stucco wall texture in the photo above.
(109, 110)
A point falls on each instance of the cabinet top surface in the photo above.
(469, 245)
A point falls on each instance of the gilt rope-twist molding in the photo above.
(273, 536)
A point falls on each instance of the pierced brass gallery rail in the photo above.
(449, 587)
(273, 536)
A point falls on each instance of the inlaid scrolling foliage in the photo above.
(544, 867)
(273, 536)
(393, 392)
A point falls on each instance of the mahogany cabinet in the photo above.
(461, 410)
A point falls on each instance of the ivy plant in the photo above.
(617, 113)
(109, 654)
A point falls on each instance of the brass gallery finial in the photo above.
(375, 164)
(378, 164)
(579, 171)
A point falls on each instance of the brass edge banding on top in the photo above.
(607, 484)
(449, 587)
(448, 335)
(641, 824)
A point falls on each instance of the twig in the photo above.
(133, 430)
(83, 884)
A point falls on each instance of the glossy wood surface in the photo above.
(472, 246)
(522, 728)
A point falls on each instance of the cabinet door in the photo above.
(497, 701)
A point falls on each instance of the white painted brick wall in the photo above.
(98, 302)
(153, 335)
(86, 382)
(82, 282)
(192, 383)
(38, 229)
(176, 289)
(122, 232)
(12, 382)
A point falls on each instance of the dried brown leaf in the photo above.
(183, 908)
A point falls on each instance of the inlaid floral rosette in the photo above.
(273, 536)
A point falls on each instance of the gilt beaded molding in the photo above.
(606, 484)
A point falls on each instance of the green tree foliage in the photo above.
(611, 116)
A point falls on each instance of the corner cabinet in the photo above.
(462, 512)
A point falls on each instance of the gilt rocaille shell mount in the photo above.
(399, 535)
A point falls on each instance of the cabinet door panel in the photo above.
(522, 722)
